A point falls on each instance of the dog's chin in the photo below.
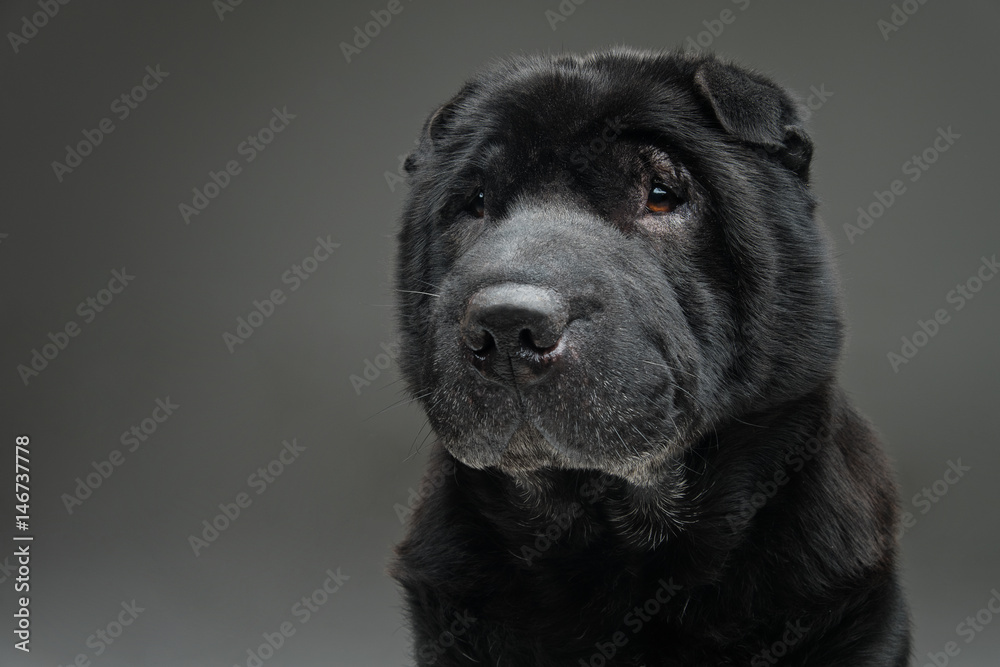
(523, 450)
(529, 450)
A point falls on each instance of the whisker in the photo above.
(398, 403)
(670, 368)
(420, 448)
(389, 384)
(410, 291)
(413, 445)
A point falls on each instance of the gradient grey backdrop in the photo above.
(325, 174)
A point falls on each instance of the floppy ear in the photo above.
(757, 112)
(435, 127)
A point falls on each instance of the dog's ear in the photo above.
(757, 112)
(435, 128)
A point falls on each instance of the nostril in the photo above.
(481, 345)
(539, 344)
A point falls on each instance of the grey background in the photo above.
(326, 175)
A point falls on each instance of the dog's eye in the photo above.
(477, 206)
(662, 199)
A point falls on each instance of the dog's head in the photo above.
(604, 257)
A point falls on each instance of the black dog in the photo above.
(620, 316)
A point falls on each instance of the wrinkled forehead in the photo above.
(547, 110)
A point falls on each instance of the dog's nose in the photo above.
(514, 331)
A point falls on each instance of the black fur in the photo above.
(683, 482)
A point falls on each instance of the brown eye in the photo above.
(662, 199)
(477, 206)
